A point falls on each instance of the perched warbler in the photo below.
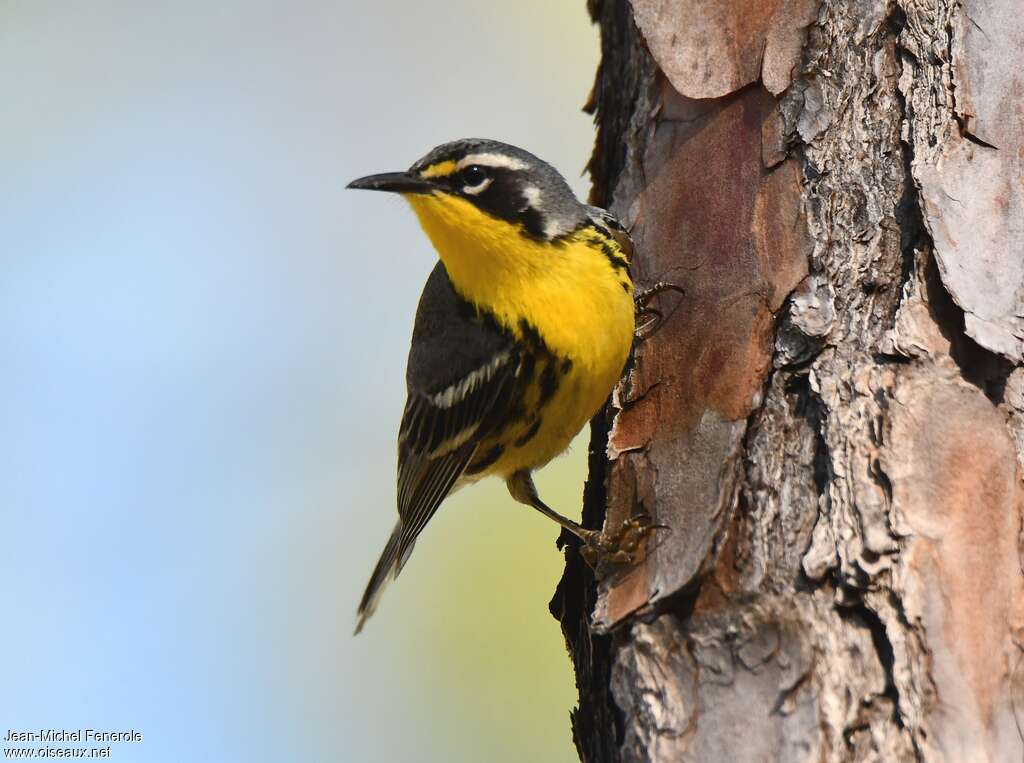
(522, 330)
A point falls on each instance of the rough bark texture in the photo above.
(831, 421)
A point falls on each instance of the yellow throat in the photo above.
(568, 290)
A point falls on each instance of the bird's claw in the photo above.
(652, 317)
(621, 548)
(642, 296)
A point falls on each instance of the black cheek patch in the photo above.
(533, 222)
(504, 199)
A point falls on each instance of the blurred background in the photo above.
(202, 352)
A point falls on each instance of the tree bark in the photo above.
(831, 420)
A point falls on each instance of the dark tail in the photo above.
(386, 570)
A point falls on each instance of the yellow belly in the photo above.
(585, 315)
(577, 301)
(575, 402)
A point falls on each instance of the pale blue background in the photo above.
(202, 347)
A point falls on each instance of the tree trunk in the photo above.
(831, 420)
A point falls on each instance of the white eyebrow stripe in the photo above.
(492, 160)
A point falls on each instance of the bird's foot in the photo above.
(623, 548)
(650, 319)
(642, 296)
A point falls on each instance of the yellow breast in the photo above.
(569, 292)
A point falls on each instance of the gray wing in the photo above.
(462, 377)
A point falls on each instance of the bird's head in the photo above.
(481, 201)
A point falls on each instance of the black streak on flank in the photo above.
(531, 336)
(527, 364)
(614, 257)
(554, 367)
(530, 433)
(548, 383)
(489, 458)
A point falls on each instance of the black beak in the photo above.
(393, 182)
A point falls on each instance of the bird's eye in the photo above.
(474, 175)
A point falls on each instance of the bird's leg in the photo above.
(599, 549)
(641, 298)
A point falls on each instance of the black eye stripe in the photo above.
(501, 192)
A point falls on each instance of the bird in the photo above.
(523, 328)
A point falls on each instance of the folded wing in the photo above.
(464, 376)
